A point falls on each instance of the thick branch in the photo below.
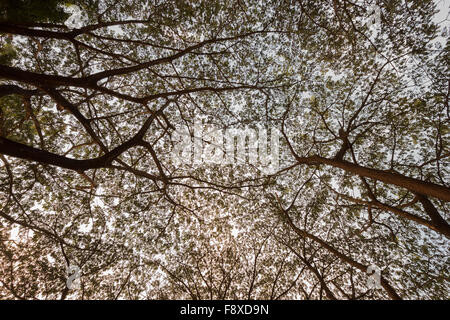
(384, 283)
(412, 184)
(432, 212)
(6, 90)
(19, 150)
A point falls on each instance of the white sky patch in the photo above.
(14, 233)
(443, 16)
(86, 228)
(51, 259)
(117, 30)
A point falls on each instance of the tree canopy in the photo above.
(89, 120)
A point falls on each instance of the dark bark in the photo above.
(412, 184)
(19, 150)
(384, 283)
(438, 222)
(22, 151)
(6, 90)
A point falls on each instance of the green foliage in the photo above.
(7, 54)
(143, 226)
(15, 121)
(23, 11)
